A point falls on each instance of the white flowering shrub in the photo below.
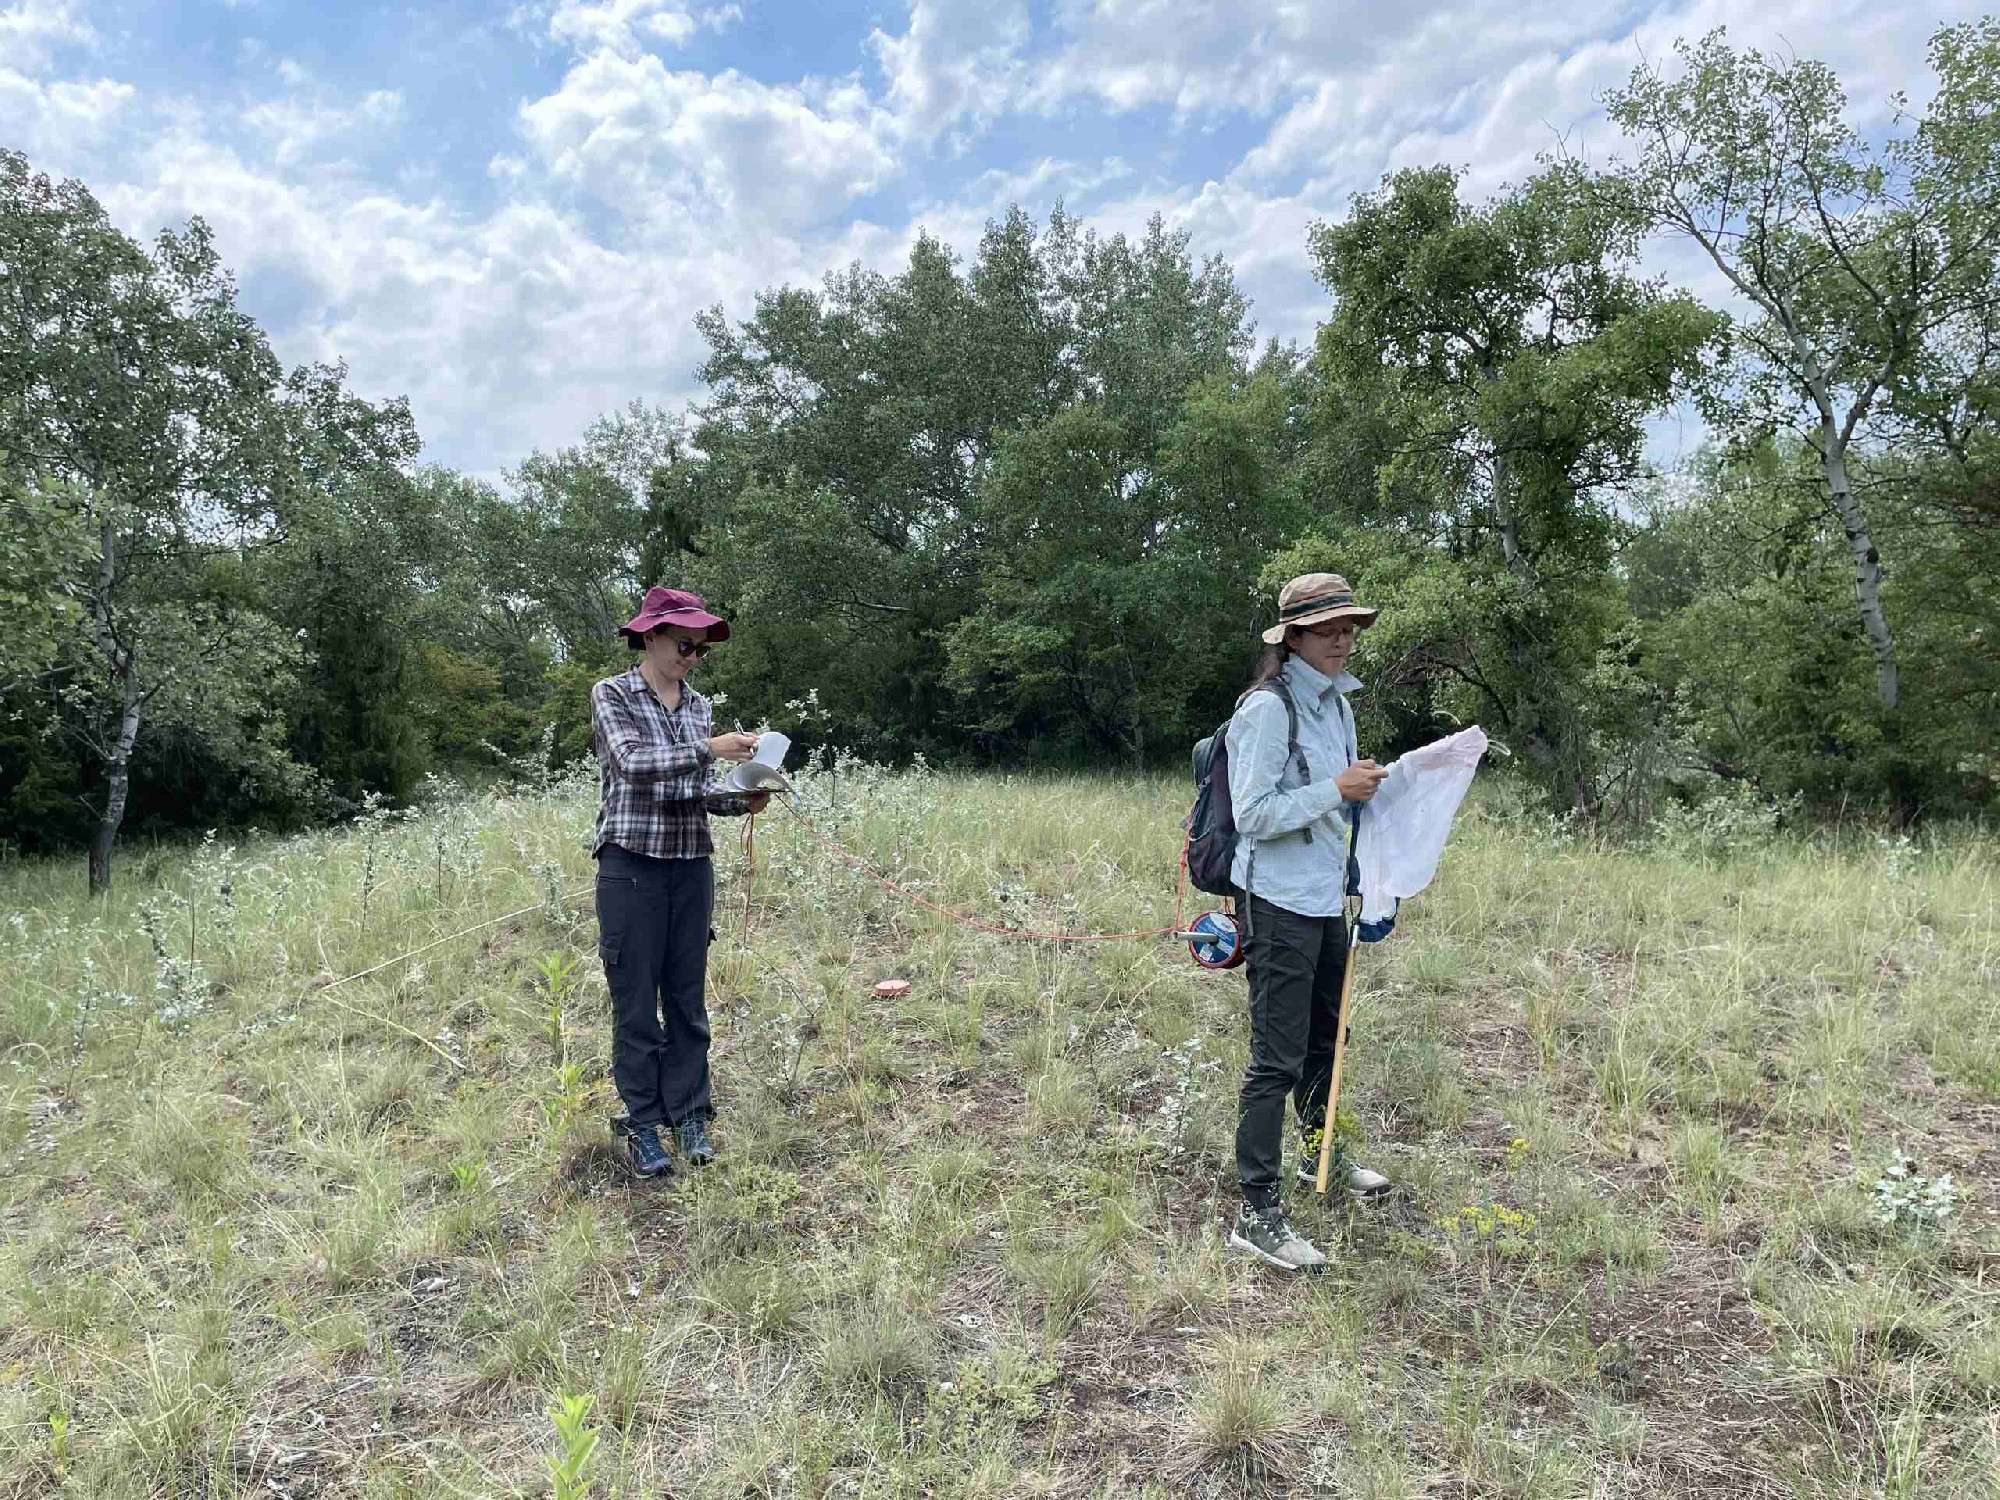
(1736, 818)
(180, 985)
(1191, 1072)
(214, 881)
(1899, 855)
(1906, 1199)
(774, 1049)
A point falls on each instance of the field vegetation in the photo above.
(1694, 1139)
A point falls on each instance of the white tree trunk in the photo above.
(124, 660)
(1867, 563)
(117, 777)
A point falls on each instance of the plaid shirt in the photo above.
(654, 770)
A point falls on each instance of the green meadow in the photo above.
(1696, 1145)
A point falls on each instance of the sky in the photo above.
(511, 215)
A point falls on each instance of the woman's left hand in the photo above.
(756, 802)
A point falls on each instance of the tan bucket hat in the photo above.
(1312, 597)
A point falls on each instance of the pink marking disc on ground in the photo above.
(889, 989)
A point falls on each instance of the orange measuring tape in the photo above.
(750, 861)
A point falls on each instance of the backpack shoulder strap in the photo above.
(1293, 751)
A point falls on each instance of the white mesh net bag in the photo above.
(1405, 825)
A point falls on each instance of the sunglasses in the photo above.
(685, 647)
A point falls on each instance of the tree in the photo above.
(1728, 554)
(132, 377)
(555, 560)
(348, 575)
(872, 484)
(1118, 604)
(1858, 259)
(1516, 356)
(843, 447)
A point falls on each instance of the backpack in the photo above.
(1211, 822)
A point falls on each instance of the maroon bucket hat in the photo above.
(665, 606)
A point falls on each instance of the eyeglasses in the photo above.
(1330, 627)
(684, 646)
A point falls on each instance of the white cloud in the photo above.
(619, 25)
(64, 119)
(293, 129)
(507, 331)
(1249, 58)
(954, 62)
(32, 30)
(650, 143)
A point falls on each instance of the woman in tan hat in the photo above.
(1296, 778)
(656, 743)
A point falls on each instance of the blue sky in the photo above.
(511, 214)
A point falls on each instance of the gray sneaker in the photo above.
(1361, 1182)
(1266, 1234)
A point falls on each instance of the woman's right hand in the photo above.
(737, 746)
(1358, 782)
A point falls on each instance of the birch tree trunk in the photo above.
(124, 660)
(118, 777)
(1867, 562)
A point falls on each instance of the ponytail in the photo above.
(1269, 665)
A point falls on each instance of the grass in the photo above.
(266, 1233)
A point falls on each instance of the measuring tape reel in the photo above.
(1213, 941)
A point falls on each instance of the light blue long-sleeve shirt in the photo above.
(1274, 806)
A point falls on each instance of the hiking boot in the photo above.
(1361, 1182)
(691, 1140)
(644, 1151)
(1266, 1234)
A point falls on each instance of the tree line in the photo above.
(1029, 506)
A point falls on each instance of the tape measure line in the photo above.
(749, 848)
(447, 938)
(1180, 888)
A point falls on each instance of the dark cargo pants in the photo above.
(652, 933)
(1294, 965)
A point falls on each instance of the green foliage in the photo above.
(1520, 356)
(1872, 268)
(131, 377)
(1908, 1199)
(1124, 603)
(1067, 513)
(1734, 551)
(348, 578)
(461, 704)
(45, 544)
(986, 1399)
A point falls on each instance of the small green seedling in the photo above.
(571, 1470)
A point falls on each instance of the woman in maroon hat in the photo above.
(656, 749)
